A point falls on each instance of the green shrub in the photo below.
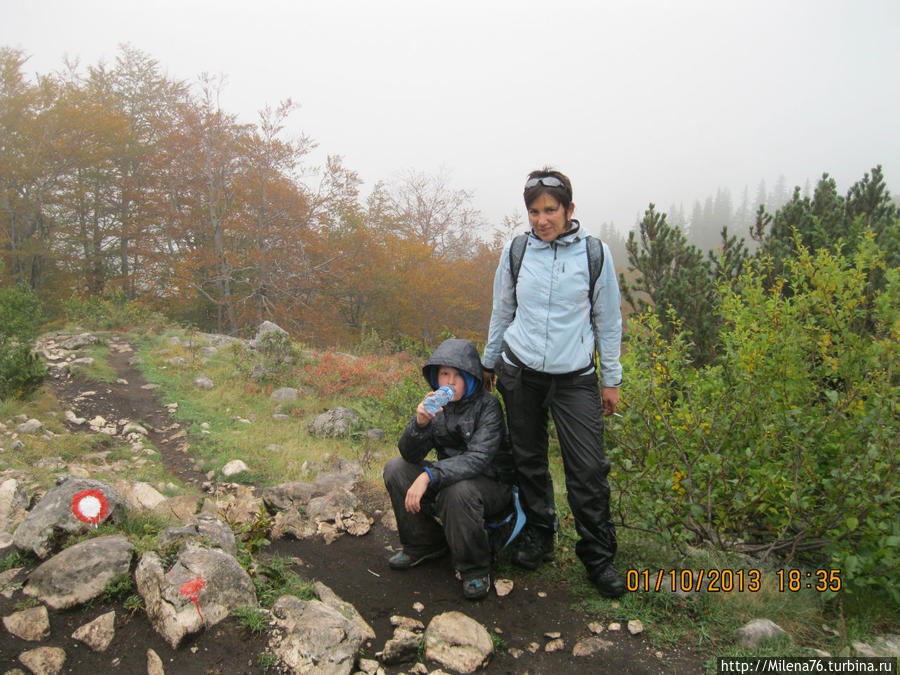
(787, 445)
(21, 372)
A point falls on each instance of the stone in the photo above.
(133, 428)
(43, 660)
(292, 522)
(635, 627)
(32, 426)
(331, 506)
(595, 627)
(203, 526)
(336, 422)
(177, 361)
(225, 586)
(180, 507)
(402, 647)
(154, 664)
(291, 494)
(313, 637)
(883, 646)
(413, 625)
(140, 495)
(589, 646)
(13, 504)
(345, 609)
(376, 435)
(555, 645)
(73, 419)
(757, 631)
(98, 633)
(53, 514)
(32, 624)
(285, 395)
(233, 467)
(80, 573)
(264, 328)
(457, 642)
(78, 341)
(203, 382)
(614, 626)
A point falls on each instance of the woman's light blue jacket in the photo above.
(546, 319)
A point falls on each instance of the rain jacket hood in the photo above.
(459, 354)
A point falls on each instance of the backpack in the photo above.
(592, 246)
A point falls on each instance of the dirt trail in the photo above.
(355, 568)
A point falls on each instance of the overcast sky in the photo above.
(661, 101)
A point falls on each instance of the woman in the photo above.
(543, 332)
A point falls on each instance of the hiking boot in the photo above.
(478, 587)
(608, 581)
(535, 547)
(401, 560)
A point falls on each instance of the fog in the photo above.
(637, 102)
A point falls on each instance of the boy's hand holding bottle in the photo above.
(432, 404)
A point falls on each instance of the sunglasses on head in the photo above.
(546, 181)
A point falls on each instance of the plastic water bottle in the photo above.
(438, 399)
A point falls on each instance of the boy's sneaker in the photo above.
(478, 587)
(535, 547)
(608, 581)
(401, 560)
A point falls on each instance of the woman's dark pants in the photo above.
(577, 408)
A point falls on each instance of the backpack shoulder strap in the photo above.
(594, 249)
(516, 253)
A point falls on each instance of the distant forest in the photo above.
(117, 182)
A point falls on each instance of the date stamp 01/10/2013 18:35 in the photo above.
(716, 580)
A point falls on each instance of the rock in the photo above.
(258, 371)
(418, 607)
(32, 426)
(313, 637)
(203, 382)
(331, 506)
(223, 586)
(595, 627)
(204, 526)
(412, 625)
(43, 660)
(233, 467)
(555, 645)
(78, 341)
(235, 508)
(345, 609)
(457, 642)
(177, 361)
(98, 633)
(140, 495)
(370, 667)
(31, 624)
(79, 573)
(133, 428)
(13, 504)
(402, 647)
(154, 664)
(285, 395)
(265, 328)
(17, 446)
(590, 645)
(336, 422)
(53, 514)
(7, 545)
(287, 495)
(757, 631)
(883, 646)
(291, 522)
(635, 627)
(180, 507)
(73, 419)
(614, 626)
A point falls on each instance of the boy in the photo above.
(470, 481)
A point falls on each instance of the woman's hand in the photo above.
(610, 400)
(416, 491)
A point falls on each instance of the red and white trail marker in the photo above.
(90, 506)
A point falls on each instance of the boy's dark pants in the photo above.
(462, 508)
(577, 408)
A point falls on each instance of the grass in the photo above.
(251, 619)
(100, 370)
(274, 578)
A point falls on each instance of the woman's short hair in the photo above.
(559, 187)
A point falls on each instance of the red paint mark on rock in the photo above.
(90, 506)
(192, 589)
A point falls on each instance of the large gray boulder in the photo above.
(80, 572)
(458, 642)
(78, 341)
(312, 637)
(348, 611)
(758, 631)
(293, 494)
(213, 577)
(279, 335)
(335, 422)
(54, 514)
